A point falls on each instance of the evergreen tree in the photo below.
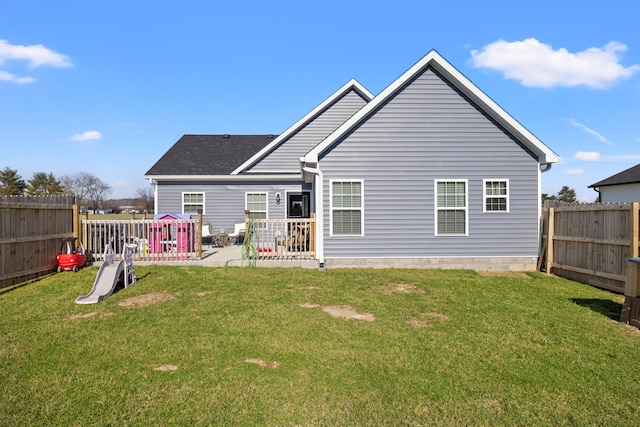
(43, 184)
(11, 184)
(567, 195)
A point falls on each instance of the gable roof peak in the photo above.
(463, 84)
(351, 85)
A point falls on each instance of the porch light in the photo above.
(277, 198)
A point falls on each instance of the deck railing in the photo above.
(155, 240)
(281, 239)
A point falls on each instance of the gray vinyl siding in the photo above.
(286, 157)
(225, 201)
(623, 193)
(429, 132)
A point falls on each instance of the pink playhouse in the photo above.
(171, 233)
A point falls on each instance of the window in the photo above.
(451, 208)
(496, 195)
(256, 204)
(346, 208)
(192, 203)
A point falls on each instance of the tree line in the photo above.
(89, 190)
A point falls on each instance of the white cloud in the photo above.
(577, 124)
(573, 172)
(35, 55)
(535, 64)
(587, 156)
(8, 77)
(91, 135)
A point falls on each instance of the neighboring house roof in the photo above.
(207, 155)
(628, 176)
(433, 59)
(352, 85)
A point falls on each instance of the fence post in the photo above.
(550, 232)
(199, 236)
(76, 221)
(312, 232)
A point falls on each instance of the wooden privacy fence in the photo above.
(590, 243)
(31, 230)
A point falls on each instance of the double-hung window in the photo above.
(256, 204)
(496, 195)
(192, 203)
(451, 208)
(347, 208)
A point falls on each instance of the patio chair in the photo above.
(207, 234)
(238, 233)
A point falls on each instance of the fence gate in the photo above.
(590, 243)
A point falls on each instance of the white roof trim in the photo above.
(433, 58)
(352, 84)
(256, 177)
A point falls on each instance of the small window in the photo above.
(192, 203)
(451, 208)
(496, 195)
(256, 204)
(347, 208)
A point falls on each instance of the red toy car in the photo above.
(72, 255)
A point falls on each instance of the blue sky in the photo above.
(108, 87)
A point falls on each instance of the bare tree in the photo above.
(146, 197)
(88, 188)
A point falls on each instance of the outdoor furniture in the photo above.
(297, 240)
(222, 238)
(238, 233)
(207, 234)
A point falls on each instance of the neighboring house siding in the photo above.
(224, 201)
(430, 132)
(619, 193)
(286, 157)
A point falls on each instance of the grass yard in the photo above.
(201, 346)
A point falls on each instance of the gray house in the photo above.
(430, 173)
(622, 187)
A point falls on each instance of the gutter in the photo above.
(319, 183)
(544, 167)
(219, 178)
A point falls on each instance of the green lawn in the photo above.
(262, 347)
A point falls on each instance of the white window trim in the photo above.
(331, 181)
(436, 208)
(266, 194)
(484, 195)
(194, 192)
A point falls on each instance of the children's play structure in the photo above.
(109, 275)
(72, 255)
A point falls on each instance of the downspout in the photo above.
(155, 194)
(319, 183)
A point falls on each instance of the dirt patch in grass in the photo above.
(146, 300)
(401, 288)
(90, 314)
(343, 311)
(426, 320)
(204, 294)
(165, 368)
(263, 363)
(510, 274)
(304, 287)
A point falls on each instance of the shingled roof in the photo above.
(208, 154)
(628, 176)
